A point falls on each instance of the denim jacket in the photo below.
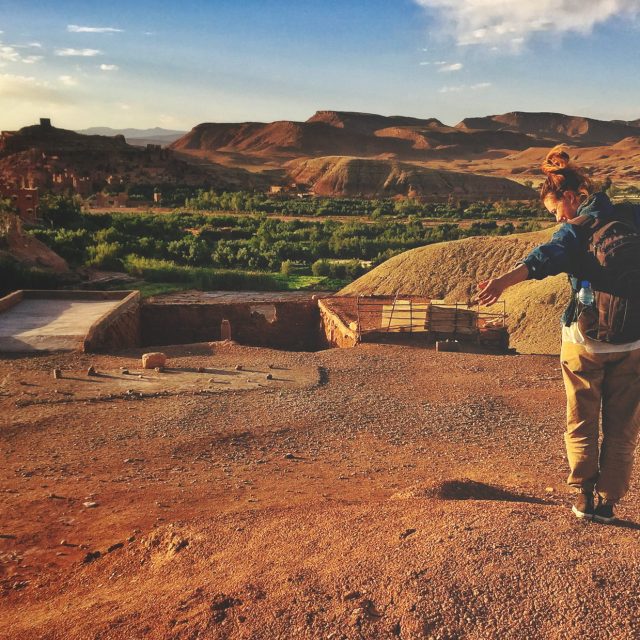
(566, 251)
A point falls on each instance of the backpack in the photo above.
(612, 266)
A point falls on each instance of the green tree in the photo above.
(60, 211)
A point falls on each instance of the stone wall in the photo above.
(118, 329)
(291, 325)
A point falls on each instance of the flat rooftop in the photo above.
(49, 324)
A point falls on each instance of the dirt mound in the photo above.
(348, 176)
(25, 248)
(451, 270)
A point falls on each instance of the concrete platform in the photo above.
(55, 321)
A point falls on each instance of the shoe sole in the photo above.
(581, 515)
(603, 520)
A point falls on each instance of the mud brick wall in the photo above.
(119, 329)
(282, 325)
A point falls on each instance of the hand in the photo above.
(489, 291)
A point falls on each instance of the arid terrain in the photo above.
(332, 153)
(390, 492)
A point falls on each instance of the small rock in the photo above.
(90, 557)
(89, 505)
(63, 543)
(269, 376)
(91, 371)
(153, 360)
(20, 585)
(288, 456)
(201, 370)
(57, 374)
(114, 547)
(407, 533)
(238, 367)
(549, 489)
(131, 539)
(124, 372)
(159, 369)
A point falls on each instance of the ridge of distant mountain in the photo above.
(138, 137)
(130, 133)
(557, 126)
(349, 134)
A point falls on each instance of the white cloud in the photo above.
(9, 54)
(86, 53)
(463, 87)
(28, 88)
(491, 22)
(109, 67)
(447, 68)
(68, 81)
(12, 53)
(74, 28)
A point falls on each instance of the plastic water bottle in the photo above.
(585, 295)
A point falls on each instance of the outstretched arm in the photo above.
(491, 290)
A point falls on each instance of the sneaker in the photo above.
(583, 506)
(604, 512)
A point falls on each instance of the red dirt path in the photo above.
(410, 494)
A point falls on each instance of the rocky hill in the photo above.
(451, 271)
(555, 126)
(347, 176)
(50, 156)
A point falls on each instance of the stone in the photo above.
(124, 372)
(91, 371)
(288, 456)
(57, 374)
(114, 547)
(90, 557)
(201, 370)
(89, 505)
(159, 369)
(225, 330)
(153, 360)
(269, 376)
(238, 367)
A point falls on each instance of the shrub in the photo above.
(321, 268)
(286, 267)
(105, 255)
(200, 277)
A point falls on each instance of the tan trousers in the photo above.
(607, 382)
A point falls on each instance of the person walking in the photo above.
(598, 245)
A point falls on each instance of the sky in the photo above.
(177, 64)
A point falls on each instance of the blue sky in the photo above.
(176, 64)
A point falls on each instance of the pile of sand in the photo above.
(451, 270)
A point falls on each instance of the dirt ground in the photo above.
(396, 493)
